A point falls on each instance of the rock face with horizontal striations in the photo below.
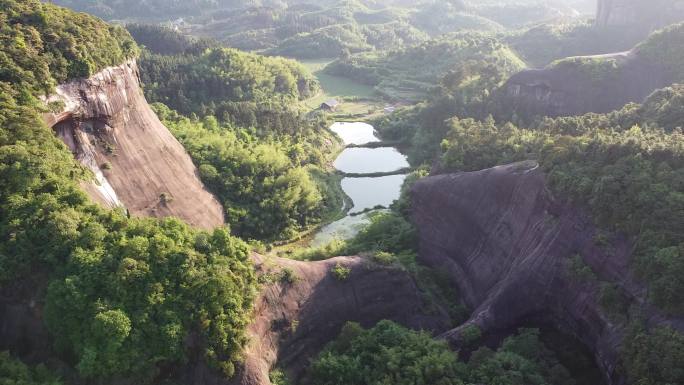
(295, 319)
(579, 85)
(137, 163)
(648, 14)
(508, 245)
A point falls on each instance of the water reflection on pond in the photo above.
(370, 160)
(367, 193)
(355, 133)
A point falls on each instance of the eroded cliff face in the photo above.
(507, 243)
(137, 163)
(294, 320)
(647, 14)
(581, 85)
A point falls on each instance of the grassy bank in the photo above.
(356, 99)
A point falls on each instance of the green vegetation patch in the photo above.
(391, 354)
(124, 296)
(43, 45)
(412, 73)
(15, 372)
(654, 357)
(666, 48)
(265, 185)
(199, 77)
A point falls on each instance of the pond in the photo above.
(359, 160)
(366, 192)
(355, 133)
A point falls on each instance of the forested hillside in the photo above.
(239, 116)
(198, 76)
(530, 243)
(472, 62)
(146, 8)
(328, 29)
(626, 168)
(120, 295)
(361, 356)
(598, 83)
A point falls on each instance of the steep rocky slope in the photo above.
(584, 84)
(295, 318)
(508, 243)
(137, 163)
(649, 14)
(598, 83)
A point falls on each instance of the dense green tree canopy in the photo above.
(222, 80)
(14, 372)
(265, 185)
(391, 354)
(123, 295)
(386, 354)
(43, 45)
(471, 62)
(197, 76)
(654, 357)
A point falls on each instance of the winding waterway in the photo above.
(366, 192)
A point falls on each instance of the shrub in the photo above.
(288, 276)
(384, 258)
(340, 272)
(278, 377)
(471, 334)
(580, 270)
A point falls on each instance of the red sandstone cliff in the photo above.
(137, 162)
(294, 320)
(507, 243)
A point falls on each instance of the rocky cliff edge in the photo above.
(508, 244)
(137, 163)
(295, 317)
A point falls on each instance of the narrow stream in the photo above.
(365, 192)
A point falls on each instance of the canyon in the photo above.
(505, 240)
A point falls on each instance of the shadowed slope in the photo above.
(508, 245)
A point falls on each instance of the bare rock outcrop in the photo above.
(575, 86)
(295, 318)
(508, 244)
(108, 125)
(648, 14)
